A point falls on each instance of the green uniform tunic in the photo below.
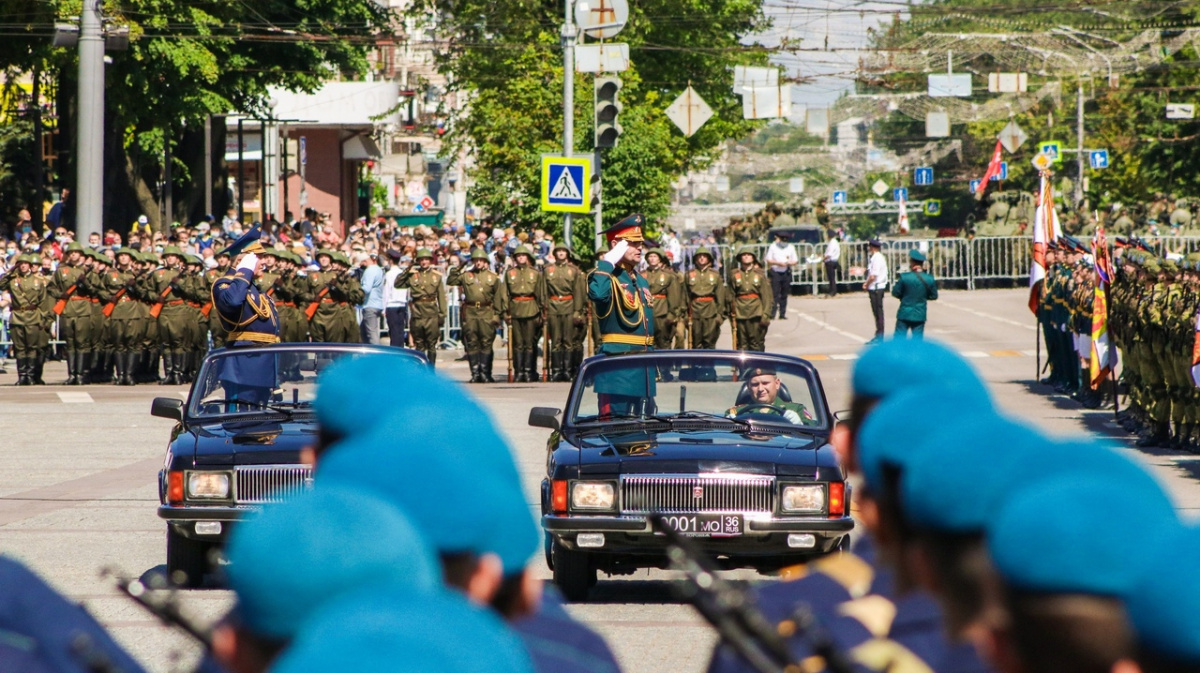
(750, 307)
(668, 305)
(125, 321)
(706, 306)
(527, 305)
(215, 328)
(75, 321)
(426, 307)
(289, 298)
(484, 300)
(336, 296)
(27, 324)
(566, 290)
(176, 323)
(913, 289)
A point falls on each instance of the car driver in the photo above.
(763, 386)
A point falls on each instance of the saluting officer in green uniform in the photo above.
(668, 305)
(68, 287)
(706, 300)
(565, 290)
(174, 317)
(484, 300)
(526, 312)
(28, 290)
(750, 302)
(913, 288)
(335, 295)
(426, 303)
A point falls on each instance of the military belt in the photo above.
(77, 298)
(563, 297)
(631, 339)
(524, 297)
(286, 303)
(479, 304)
(706, 298)
(748, 296)
(426, 299)
(660, 296)
(257, 337)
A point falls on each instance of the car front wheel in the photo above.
(187, 559)
(574, 573)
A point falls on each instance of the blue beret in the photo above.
(897, 364)
(247, 242)
(295, 556)
(1164, 605)
(349, 392)
(890, 432)
(456, 481)
(382, 631)
(1082, 533)
(963, 470)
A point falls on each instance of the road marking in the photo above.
(1030, 353)
(844, 356)
(821, 323)
(67, 494)
(989, 316)
(75, 398)
(973, 354)
(814, 357)
(1006, 354)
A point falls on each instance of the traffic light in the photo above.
(608, 129)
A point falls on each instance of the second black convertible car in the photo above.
(731, 447)
(237, 441)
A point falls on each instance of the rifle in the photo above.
(689, 326)
(509, 339)
(166, 608)
(108, 308)
(591, 334)
(545, 346)
(316, 302)
(730, 609)
(733, 321)
(157, 308)
(61, 304)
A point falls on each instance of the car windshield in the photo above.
(256, 381)
(743, 387)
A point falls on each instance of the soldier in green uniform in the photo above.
(763, 385)
(623, 303)
(101, 365)
(565, 312)
(426, 303)
(484, 300)
(174, 319)
(288, 298)
(197, 293)
(124, 314)
(1155, 374)
(706, 301)
(28, 290)
(146, 364)
(750, 302)
(667, 291)
(332, 296)
(913, 288)
(526, 288)
(74, 311)
(215, 328)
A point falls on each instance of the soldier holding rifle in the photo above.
(427, 303)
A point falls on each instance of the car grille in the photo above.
(641, 495)
(271, 483)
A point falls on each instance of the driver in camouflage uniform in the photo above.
(764, 385)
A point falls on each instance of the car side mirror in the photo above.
(167, 407)
(544, 417)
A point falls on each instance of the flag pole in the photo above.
(1037, 371)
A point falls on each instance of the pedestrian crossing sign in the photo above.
(933, 207)
(566, 184)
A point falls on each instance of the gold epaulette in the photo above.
(887, 655)
(847, 569)
(874, 612)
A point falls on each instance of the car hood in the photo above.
(706, 452)
(253, 441)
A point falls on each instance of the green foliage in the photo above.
(780, 139)
(507, 55)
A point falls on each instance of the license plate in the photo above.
(706, 525)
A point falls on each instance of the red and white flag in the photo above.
(1101, 362)
(1196, 353)
(903, 217)
(993, 169)
(1045, 229)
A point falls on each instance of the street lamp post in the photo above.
(89, 180)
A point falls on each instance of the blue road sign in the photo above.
(933, 207)
(900, 194)
(1099, 158)
(1052, 149)
(975, 185)
(839, 197)
(1003, 174)
(923, 176)
(565, 184)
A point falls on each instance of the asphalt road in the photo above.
(78, 468)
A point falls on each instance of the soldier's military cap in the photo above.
(1163, 605)
(1055, 535)
(897, 364)
(293, 557)
(341, 407)
(101, 257)
(657, 251)
(890, 434)
(222, 253)
(173, 250)
(628, 229)
(385, 631)
(74, 246)
(561, 246)
(424, 253)
(603, 248)
(1192, 257)
(874, 243)
(324, 252)
(270, 252)
(916, 255)
(478, 254)
(704, 250)
(23, 257)
(1169, 266)
(194, 259)
(1052, 245)
(1151, 266)
(123, 250)
(522, 250)
(248, 242)
(747, 250)
(34, 258)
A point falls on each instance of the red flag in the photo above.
(993, 169)
(1045, 229)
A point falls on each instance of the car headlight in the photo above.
(213, 485)
(806, 498)
(592, 495)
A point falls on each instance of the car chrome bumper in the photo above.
(638, 524)
(179, 514)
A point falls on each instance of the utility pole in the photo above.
(89, 181)
(1079, 146)
(39, 176)
(208, 172)
(568, 38)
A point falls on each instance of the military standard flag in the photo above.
(1045, 229)
(903, 217)
(1101, 364)
(993, 169)
(1196, 353)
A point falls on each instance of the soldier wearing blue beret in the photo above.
(1164, 607)
(251, 320)
(914, 288)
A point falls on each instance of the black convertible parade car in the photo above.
(731, 447)
(237, 446)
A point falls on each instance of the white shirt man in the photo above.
(395, 303)
(780, 258)
(877, 280)
(833, 250)
(833, 256)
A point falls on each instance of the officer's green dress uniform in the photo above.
(74, 308)
(914, 289)
(623, 303)
(484, 300)
(175, 319)
(566, 288)
(426, 304)
(28, 290)
(336, 295)
(706, 302)
(526, 287)
(669, 307)
(750, 304)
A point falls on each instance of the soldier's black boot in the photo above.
(23, 372)
(39, 361)
(474, 364)
(576, 361)
(71, 379)
(1161, 436)
(169, 368)
(522, 367)
(134, 362)
(489, 357)
(119, 363)
(535, 374)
